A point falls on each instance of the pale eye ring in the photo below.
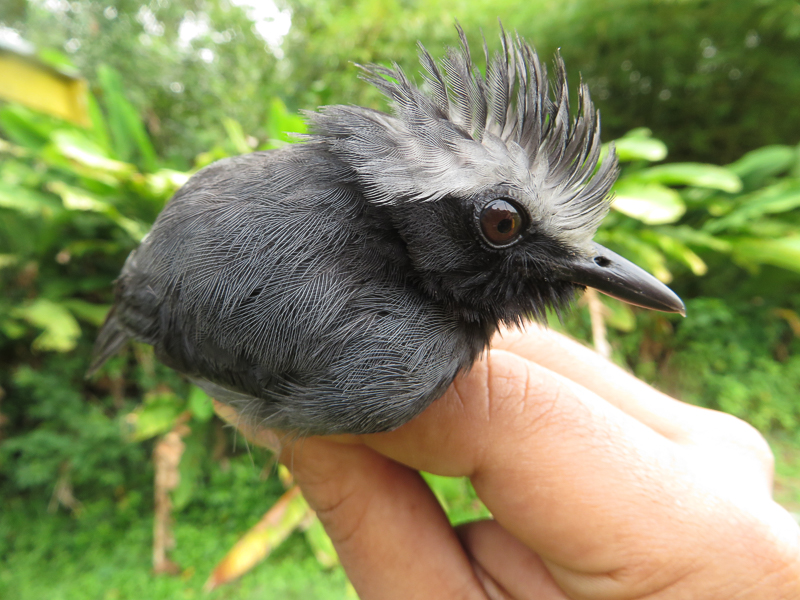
(501, 222)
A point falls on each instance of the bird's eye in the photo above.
(501, 222)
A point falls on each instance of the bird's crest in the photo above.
(462, 132)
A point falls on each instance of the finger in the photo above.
(678, 421)
(392, 537)
(514, 568)
(585, 485)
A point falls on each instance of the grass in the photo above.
(787, 472)
(104, 553)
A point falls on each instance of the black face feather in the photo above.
(464, 140)
(339, 285)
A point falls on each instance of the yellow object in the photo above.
(26, 80)
(287, 514)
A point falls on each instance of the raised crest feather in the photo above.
(462, 131)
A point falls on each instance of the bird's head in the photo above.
(491, 184)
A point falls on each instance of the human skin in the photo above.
(601, 488)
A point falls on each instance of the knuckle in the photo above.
(524, 396)
(736, 432)
(341, 518)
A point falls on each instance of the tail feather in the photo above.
(110, 340)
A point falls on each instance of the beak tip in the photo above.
(613, 275)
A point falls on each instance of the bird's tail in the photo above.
(111, 338)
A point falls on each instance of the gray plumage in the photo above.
(340, 284)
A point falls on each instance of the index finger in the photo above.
(678, 421)
(593, 490)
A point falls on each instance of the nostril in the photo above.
(602, 261)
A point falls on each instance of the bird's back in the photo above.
(269, 277)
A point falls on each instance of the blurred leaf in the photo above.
(156, 416)
(321, 545)
(206, 158)
(644, 253)
(112, 98)
(286, 515)
(764, 162)
(75, 198)
(236, 135)
(281, 124)
(650, 203)
(18, 172)
(80, 248)
(191, 467)
(99, 130)
(201, 404)
(78, 147)
(692, 174)
(778, 198)
(94, 314)
(791, 317)
(26, 200)
(12, 329)
(639, 145)
(695, 237)
(24, 127)
(165, 182)
(677, 250)
(457, 497)
(8, 260)
(618, 314)
(784, 253)
(61, 330)
(56, 59)
(127, 131)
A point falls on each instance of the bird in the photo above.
(339, 284)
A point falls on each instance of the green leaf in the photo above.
(26, 200)
(677, 250)
(692, 174)
(111, 85)
(12, 329)
(200, 404)
(190, 467)
(99, 131)
(784, 252)
(23, 126)
(77, 147)
(764, 162)
(94, 314)
(281, 123)
(61, 330)
(165, 182)
(321, 545)
(650, 203)
(127, 131)
(618, 314)
(8, 260)
(694, 237)
(236, 135)
(156, 416)
(644, 253)
(778, 198)
(638, 145)
(75, 198)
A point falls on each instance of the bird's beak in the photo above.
(608, 272)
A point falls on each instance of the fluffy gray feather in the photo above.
(340, 284)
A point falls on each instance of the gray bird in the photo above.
(339, 285)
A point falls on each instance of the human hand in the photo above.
(600, 488)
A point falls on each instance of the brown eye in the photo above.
(501, 222)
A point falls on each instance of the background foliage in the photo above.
(708, 201)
